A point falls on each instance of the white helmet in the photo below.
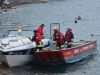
(54, 28)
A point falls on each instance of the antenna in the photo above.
(79, 18)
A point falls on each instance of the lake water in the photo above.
(30, 16)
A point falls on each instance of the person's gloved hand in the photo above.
(72, 40)
(66, 43)
(70, 43)
(29, 38)
(54, 42)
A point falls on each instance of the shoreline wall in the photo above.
(26, 1)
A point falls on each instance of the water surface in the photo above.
(30, 16)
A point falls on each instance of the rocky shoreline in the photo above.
(7, 6)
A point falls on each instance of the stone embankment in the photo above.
(10, 4)
(27, 1)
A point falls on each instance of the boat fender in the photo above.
(49, 43)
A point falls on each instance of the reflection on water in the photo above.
(37, 69)
(4, 70)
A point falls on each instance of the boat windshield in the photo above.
(24, 33)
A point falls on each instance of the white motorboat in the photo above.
(16, 49)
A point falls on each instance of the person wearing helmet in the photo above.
(69, 37)
(60, 40)
(54, 28)
(37, 38)
(40, 30)
(54, 34)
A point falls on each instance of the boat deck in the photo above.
(75, 44)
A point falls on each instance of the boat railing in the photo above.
(52, 25)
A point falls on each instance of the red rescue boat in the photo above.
(79, 50)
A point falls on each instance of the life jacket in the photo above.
(38, 37)
(67, 36)
(55, 32)
(59, 38)
(40, 30)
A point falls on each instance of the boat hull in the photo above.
(70, 55)
(17, 60)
